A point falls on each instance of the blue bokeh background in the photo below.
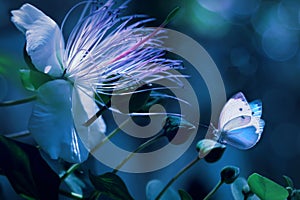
(254, 43)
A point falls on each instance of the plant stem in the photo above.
(106, 139)
(95, 195)
(177, 176)
(69, 171)
(95, 117)
(71, 195)
(213, 191)
(18, 134)
(27, 197)
(141, 147)
(17, 102)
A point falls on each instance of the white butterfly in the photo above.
(239, 122)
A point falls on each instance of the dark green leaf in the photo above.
(172, 14)
(266, 189)
(184, 195)
(32, 80)
(94, 196)
(26, 170)
(288, 181)
(111, 185)
(26, 80)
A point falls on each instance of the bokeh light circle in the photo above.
(242, 59)
(289, 14)
(235, 11)
(279, 43)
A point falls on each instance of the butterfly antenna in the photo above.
(200, 124)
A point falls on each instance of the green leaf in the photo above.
(288, 181)
(26, 80)
(32, 80)
(172, 14)
(184, 195)
(266, 189)
(27, 171)
(111, 185)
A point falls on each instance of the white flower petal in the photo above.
(44, 39)
(84, 107)
(51, 123)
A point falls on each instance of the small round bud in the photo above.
(210, 150)
(229, 174)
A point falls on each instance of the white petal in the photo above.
(84, 107)
(44, 39)
(51, 123)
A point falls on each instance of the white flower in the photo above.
(101, 47)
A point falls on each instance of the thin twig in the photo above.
(17, 102)
(177, 176)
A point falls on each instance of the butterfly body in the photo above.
(240, 123)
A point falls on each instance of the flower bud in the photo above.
(177, 129)
(229, 174)
(210, 150)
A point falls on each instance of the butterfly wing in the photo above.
(240, 124)
(256, 108)
(235, 106)
(237, 123)
(243, 138)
